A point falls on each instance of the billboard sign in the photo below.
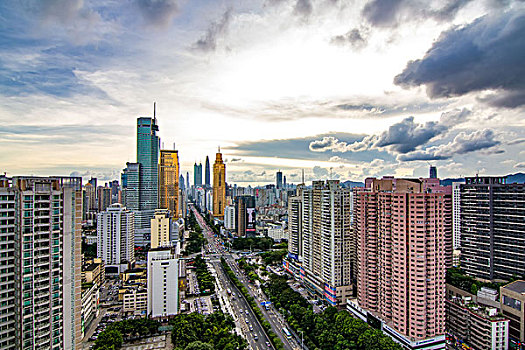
(250, 219)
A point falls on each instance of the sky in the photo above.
(340, 89)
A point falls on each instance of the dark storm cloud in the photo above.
(209, 41)
(158, 13)
(390, 13)
(303, 8)
(402, 137)
(355, 38)
(463, 143)
(488, 54)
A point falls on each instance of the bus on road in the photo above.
(287, 333)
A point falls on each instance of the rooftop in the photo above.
(516, 286)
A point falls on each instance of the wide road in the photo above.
(215, 251)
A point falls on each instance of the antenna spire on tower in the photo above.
(154, 110)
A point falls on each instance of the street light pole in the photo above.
(302, 340)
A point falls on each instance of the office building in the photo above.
(295, 227)
(512, 304)
(135, 300)
(433, 172)
(279, 180)
(90, 305)
(400, 230)
(93, 271)
(163, 283)
(245, 215)
(169, 182)
(40, 228)
(326, 241)
(219, 186)
(182, 187)
(115, 238)
(163, 230)
(207, 182)
(229, 218)
(492, 228)
(476, 326)
(187, 180)
(197, 174)
(91, 196)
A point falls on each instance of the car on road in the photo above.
(268, 344)
(255, 337)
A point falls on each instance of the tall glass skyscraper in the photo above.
(207, 173)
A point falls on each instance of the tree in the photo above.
(109, 339)
(198, 345)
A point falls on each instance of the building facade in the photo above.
(163, 231)
(512, 304)
(197, 174)
(400, 230)
(295, 227)
(163, 284)
(207, 177)
(229, 218)
(40, 227)
(169, 182)
(326, 240)
(115, 237)
(492, 228)
(219, 186)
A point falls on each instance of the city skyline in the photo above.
(325, 86)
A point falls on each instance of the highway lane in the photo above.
(272, 316)
(245, 320)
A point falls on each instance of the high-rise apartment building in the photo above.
(401, 232)
(169, 182)
(103, 198)
(40, 229)
(433, 173)
(326, 240)
(229, 218)
(163, 283)
(163, 233)
(115, 238)
(295, 227)
(207, 173)
(456, 214)
(279, 180)
(219, 186)
(91, 197)
(512, 305)
(492, 228)
(197, 174)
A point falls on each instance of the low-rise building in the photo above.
(134, 276)
(90, 304)
(276, 231)
(135, 300)
(93, 271)
(513, 306)
(479, 327)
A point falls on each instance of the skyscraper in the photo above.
(245, 215)
(219, 186)
(115, 237)
(181, 183)
(169, 182)
(41, 278)
(326, 240)
(162, 230)
(433, 172)
(207, 173)
(400, 228)
(163, 283)
(187, 180)
(197, 174)
(279, 180)
(295, 226)
(492, 228)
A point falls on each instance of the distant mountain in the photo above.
(512, 178)
(516, 178)
(351, 184)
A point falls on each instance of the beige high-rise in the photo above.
(219, 186)
(169, 181)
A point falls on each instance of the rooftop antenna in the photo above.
(154, 109)
(219, 149)
(174, 146)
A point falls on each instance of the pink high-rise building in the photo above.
(402, 228)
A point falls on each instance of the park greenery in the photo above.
(198, 332)
(331, 329)
(250, 270)
(89, 250)
(196, 239)
(252, 243)
(117, 332)
(278, 345)
(274, 257)
(204, 277)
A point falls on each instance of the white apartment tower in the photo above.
(326, 240)
(229, 217)
(456, 211)
(163, 231)
(40, 234)
(115, 237)
(163, 283)
(295, 227)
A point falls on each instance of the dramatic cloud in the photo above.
(402, 137)
(463, 143)
(303, 8)
(520, 165)
(355, 38)
(487, 54)
(209, 41)
(390, 13)
(158, 13)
